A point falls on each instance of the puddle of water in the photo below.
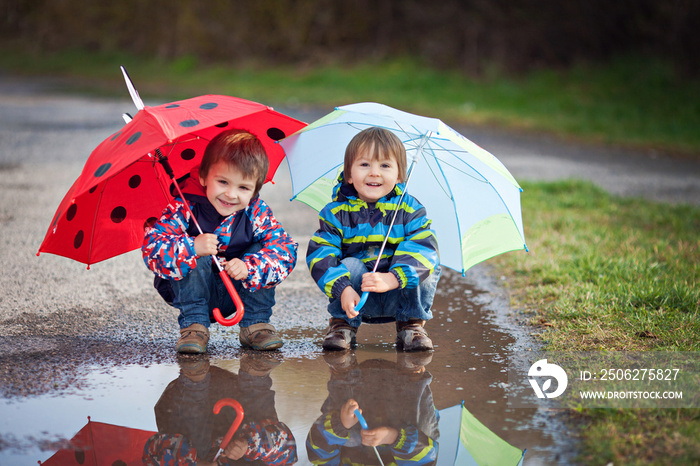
(469, 364)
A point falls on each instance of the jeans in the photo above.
(201, 290)
(395, 305)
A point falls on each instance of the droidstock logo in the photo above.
(542, 369)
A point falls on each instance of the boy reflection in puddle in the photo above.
(190, 433)
(396, 401)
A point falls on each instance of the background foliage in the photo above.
(474, 36)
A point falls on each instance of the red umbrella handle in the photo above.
(236, 422)
(236, 301)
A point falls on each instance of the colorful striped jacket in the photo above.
(350, 227)
(169, 251)
(331, 444)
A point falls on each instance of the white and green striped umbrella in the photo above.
(472, 199)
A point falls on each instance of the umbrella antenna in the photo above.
(416, 157)
(132, 90)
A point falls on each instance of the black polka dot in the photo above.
(149, 223)
(118, 214)
(92, 190)
(102, 169)
(222, 125)
(188, 154)
(70, 213)
(275, 134)
(134, 181)
(78, 240)
(119, 463)
(133, 138)
(209, 106)
(79, 456)
(116, 135)
(172, 106)
(189, 123)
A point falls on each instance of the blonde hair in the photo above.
(241, 149)
(380, 144)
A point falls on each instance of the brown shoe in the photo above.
(411, 336)
(193, 339)
(261, 337)
(340, 336)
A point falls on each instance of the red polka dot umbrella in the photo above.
(123, 185)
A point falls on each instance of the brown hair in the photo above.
(241, 149)
(381, 144)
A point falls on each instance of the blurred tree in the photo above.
(512, 35)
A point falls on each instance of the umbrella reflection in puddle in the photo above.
(194, 420)
(465, 441)
(98, 443)
(396, 403)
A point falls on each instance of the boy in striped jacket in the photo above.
(238, 226)
(343, 251)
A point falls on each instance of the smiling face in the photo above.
(373, 177)
(227, 188)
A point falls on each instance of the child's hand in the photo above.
(379, 282)
(236, 269)
(206, 244)
(347, 413)
(379, 436)
(236, 449)
(348, 300)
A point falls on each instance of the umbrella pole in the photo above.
(419, 150)
(222, 273)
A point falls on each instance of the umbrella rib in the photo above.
(94, 222)
(485, 180)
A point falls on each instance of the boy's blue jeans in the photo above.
(201, 290)
(395, 305)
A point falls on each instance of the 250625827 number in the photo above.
(639, 374)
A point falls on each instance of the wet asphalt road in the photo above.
(62, 322)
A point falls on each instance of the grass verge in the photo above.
(611, 274)
(631, 101)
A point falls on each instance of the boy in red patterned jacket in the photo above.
(239, 227)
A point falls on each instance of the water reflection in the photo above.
(394, 398)
(190, 432)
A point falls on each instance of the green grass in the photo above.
(602, 270)
(611, 274)
(603, 273)
(631, 102)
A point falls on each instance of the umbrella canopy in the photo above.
(122, 187)
(100, 444)
(472, 199)
(467, 442)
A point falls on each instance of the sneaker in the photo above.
(258, 364)
(340, 336)
(411, 336)
(261, 337)
(193, 339)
